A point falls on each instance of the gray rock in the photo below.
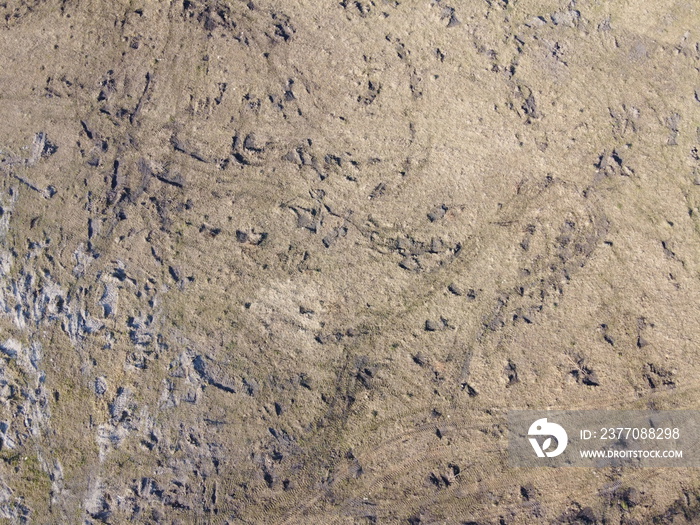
(100, 385)
(455, 289)
(437, 213)
(410, 264)
(432, 326)
(11, 348)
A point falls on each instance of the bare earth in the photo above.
(292, 262)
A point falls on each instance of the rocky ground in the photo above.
(293, 261)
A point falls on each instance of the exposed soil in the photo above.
(292, 262)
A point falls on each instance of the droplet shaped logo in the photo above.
(542, 427)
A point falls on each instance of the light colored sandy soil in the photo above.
(292, 262)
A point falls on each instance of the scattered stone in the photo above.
(437, 213)
(586, 515)
(251, 385)
(436, 246)
(250, 237)
(120, 407)
(590, 379)
(306, 381)
(584, 374)
(511, 372)
(431, 326)
(496, 322)
(410, 264)
(334, 235)
(454, 21)
(530, 107)
(632, 497)
(536, 22)
(109, 300)
(11, 348)
(528, 492)
(567, 18)
(378, 191)
(211, 374)
(658, 377)
(100, 385)
(420, 359)
(251, 143)
(607, 337)
(471, 391)
(455, 289)
(673, 123)
(174, 273)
